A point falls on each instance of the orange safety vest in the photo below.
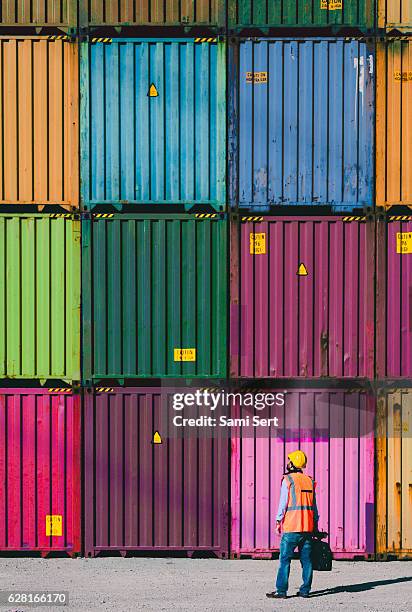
(299, 515)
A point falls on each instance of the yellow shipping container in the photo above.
(394, 473)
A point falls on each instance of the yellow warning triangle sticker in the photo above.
(302, 271)
(157, 438)
(153, 93)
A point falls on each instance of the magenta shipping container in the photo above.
(394, 298)
(40, 442)
(142, 495)
(302, 297)
(335, 430)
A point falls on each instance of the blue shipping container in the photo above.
(153, 117)
(301, 127)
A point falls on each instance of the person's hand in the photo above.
(278, 526)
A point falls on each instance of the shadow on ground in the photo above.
(359, 588)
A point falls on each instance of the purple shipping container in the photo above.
(335, 430)
(302, 297)
(394, 298)
(145, 496)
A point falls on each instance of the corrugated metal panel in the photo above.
(39, 471)
(313, 324)
(395, 14)
(139, 495)
(38, 134)
(301, 13)
(394, 298)
(394, 473)
(39, 12)
(174, 269)
(394, 123)
(150, 12)
(158, 145)
(39, 297)
(336, 431)
(302, 132)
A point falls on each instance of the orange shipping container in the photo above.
(394, 473)
(39, 149)
(395, 15)
(51, 13)
(394, 123)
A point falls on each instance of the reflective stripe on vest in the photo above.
(293, 493)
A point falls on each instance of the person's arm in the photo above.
(283, 504)
(315, 509)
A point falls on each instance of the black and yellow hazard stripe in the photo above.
(400, 218)
(353, 218)
(60, 215)
(206, 39)
(102, 39)
(205, 215)
(58, 37)
(254, 218)
(104, 389)
(103, 215)
(59, 390)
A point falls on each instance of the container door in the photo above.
(145, 489)
(40, 447)
(394, 474)
(335, 429)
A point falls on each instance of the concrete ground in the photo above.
(208, 584)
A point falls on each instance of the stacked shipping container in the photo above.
(203, 257)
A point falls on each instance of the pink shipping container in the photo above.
(40, 470)
(302, 297)
(335, 430)
(172, 496)
(394, 298)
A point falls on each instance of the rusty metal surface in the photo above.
(39, 149)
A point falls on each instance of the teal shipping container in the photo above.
(153, 117)
(154, 296)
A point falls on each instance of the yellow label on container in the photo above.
(54, 525)
(153, 93)
(404, 242)
(257, 243)
(332, 5)
(402, 76)
(256, 77)
(184, 354)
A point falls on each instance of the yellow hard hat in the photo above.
(298, 458)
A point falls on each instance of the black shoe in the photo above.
(299, 594)
(276, 595)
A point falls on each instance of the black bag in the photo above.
(321, 555)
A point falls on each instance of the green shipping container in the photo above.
(40, 297)
(154, 296)
(257, 14)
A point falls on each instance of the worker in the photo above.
(298, 514)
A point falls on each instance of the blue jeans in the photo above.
(288, 543)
